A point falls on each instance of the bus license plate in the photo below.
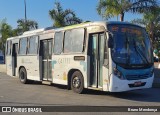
(138, 83)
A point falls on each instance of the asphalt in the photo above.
(13, 93)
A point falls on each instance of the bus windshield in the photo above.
(132, 46)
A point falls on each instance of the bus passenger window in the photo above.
(23, 46)
(58, 43)
(9, 44)
(33, 45)
(74, 41)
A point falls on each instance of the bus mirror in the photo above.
(110, 41)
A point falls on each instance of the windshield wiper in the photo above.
(140, 53)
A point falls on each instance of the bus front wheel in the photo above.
(23, 76)
(77, 82)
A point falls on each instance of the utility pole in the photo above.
(25, 11)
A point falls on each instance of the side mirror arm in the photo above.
(110, 41)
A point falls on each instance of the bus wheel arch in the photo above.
(76, 81)
(69, 77)
(23, 75)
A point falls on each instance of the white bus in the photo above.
(106, 56)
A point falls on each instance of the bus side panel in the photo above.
(9, 65)
(105, 78)
(62, 64)
(31, 64)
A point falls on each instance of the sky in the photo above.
(38, 10)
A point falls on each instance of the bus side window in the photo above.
(33, 45)
(8, 47)
(23, 46)
(58, 43)
(74, 41)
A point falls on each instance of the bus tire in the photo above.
(23, 76)
(77, 82)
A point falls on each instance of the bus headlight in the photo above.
(152, 72)
(118, 73)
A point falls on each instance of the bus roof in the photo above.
(12, 38)
(34, 31)
(122, 23)
(94, 23)
(84, 24)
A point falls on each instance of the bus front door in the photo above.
(14, 58)
(46, 48)
(96, 52)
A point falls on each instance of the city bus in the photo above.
(105, 56)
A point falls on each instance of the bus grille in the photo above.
(137, 77)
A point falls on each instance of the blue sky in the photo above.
(38, 10)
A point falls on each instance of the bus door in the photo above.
(14, 58)
(46, 51)
(96, 52)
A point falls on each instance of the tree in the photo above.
(111, 8)
(151, 20)
(63, 17)
(6, 32)
(25, 25)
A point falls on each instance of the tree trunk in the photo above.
(122, 17)
(152, 32)
(4, 56)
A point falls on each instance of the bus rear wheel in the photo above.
(77, 82)
(23, 76)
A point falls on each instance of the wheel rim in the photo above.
(22, 76)
(76, 82)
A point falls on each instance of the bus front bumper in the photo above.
(118, 85)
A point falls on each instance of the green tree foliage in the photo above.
(62, 17)
(5, 32)
(111, 8)
(25, 25)
(151, 20)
